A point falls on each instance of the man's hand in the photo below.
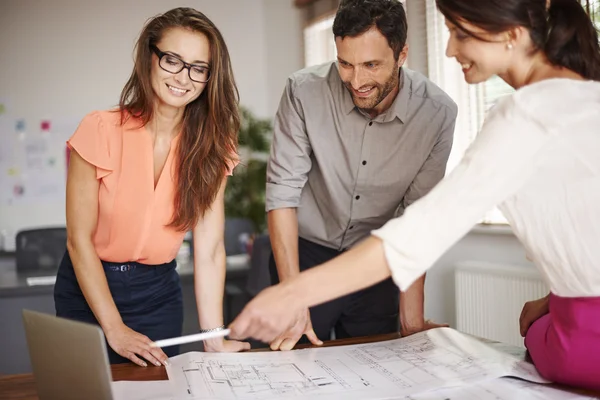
(411, 329)
(532, 311)
(303, 326)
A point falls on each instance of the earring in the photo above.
(509, 46)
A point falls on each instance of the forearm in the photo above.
(412, 306)
(358, 268)
(92, 281)
(209, 286)
(283, 233)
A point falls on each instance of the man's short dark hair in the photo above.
(355, 17)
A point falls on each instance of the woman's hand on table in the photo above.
(132, 345)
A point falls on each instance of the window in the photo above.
(474, 101)
(593, 8)
(319, 44)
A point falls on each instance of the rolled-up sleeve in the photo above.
(289, 161)
(497, 164)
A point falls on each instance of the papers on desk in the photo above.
(496, 389)
(440, 364)
(427, 361)
(499, 389)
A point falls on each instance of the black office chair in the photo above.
(259, 276)
(40, 250)
(237, 233)
(236, 230)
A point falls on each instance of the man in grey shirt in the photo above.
(355, 142)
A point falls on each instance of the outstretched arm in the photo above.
(498, 164)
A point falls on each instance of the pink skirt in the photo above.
(565, 344)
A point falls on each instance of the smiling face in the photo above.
(369, 70)
(177, 89)
(480, 57)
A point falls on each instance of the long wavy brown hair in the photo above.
(210, 123)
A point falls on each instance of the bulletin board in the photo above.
(33, 159)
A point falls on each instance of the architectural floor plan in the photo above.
(499, 389)
(385, 370)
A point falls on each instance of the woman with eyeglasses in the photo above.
(537, 157)
(139, 178)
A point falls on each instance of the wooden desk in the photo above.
(22, 387)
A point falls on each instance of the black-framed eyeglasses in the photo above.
(174, 65)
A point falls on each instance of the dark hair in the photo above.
(355, 17)
(210, 123)
(564, 32)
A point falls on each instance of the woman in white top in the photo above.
(537, 156)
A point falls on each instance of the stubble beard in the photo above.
(381, 92)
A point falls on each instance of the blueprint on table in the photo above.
(499, 389)
(384, 370)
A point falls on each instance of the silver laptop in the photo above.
(69, 358)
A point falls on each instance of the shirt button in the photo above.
(357, 197)
(364, 162)
(370, 123)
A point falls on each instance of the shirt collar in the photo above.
(346, 98)
(399, 108)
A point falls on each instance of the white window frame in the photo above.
(319, 43)
(472, 101)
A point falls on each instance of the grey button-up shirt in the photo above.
(347, 173)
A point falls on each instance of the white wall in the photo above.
(64, 58)
(285, 47)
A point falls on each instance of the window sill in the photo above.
(492, 229)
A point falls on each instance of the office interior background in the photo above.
(62, 59)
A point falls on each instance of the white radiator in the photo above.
(490, 297)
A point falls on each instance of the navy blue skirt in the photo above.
(148, 298)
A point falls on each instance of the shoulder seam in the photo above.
(452, 106)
